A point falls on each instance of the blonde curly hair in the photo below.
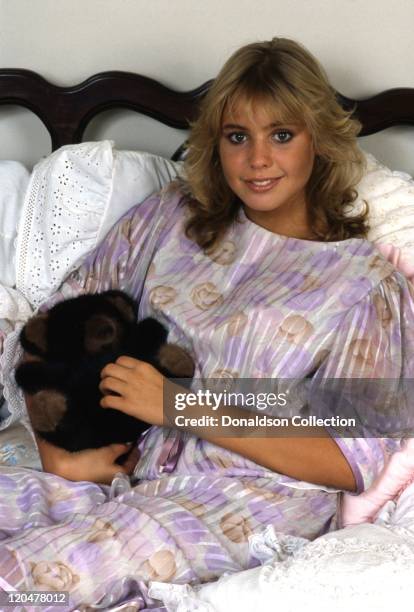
(285, 77)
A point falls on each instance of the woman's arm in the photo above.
(96, 465)
(140, 389)
(317, 458)
(313, 459)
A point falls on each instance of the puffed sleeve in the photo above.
(372, 361)
(122, 259)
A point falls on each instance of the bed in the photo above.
(334, 570)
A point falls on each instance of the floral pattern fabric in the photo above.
(260, 306)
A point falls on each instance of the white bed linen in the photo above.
(14, 179)
(364, 567)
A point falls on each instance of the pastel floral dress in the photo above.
(260, 306)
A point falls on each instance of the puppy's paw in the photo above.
(27, 374)
(33, 336)
(176, 360)
(46, 409)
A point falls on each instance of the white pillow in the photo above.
(136, 175)
(14, 178)
(63, 209)
(390, 196)
(74, 197)
(364, 567)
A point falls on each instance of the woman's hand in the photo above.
(94, 465)
(138, 389)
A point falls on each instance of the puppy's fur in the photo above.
(70, 344)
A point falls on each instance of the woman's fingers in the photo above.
(124, 366)
(131, 460)
(128, 362)
(110, 384)
(112, 401)
(93, 465)
(117, 449)
(115, 371)
(107, 468)
(133, 387)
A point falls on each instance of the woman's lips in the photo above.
(260, 185)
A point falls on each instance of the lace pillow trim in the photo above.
(64, 207)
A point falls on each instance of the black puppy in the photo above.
(73, 341)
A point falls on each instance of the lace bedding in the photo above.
(366, 567)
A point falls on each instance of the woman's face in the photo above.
(267, 165)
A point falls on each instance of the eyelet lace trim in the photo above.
(63, 210)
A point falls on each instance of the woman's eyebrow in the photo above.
(276, 124)
(233, 126)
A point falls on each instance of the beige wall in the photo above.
(365, 45)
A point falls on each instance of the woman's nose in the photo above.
(260, 155)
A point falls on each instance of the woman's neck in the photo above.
(294, 226)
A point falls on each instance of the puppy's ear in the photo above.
(34, 335)
(46, 409)
(123, 303)
(101, 333)
(176, 360)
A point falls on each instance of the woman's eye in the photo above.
(237, 137)
(283, 136)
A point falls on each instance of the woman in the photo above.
(259, 272)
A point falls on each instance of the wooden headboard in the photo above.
(66, 111)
